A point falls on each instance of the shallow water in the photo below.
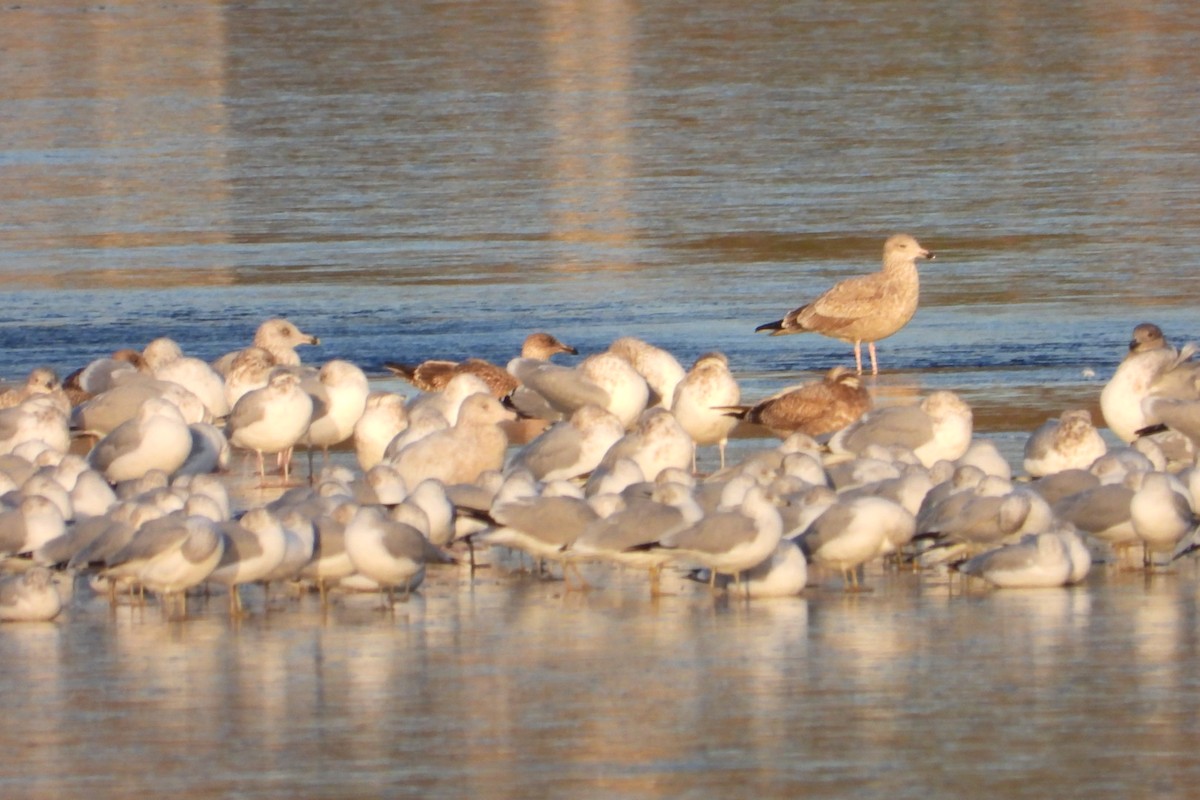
(440, 178)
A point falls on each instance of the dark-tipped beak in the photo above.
(313, 340)
(929, 254)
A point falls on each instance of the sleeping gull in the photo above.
(461, 453)
(164, 359)
(852, 532)
(1069, 442)
(157, 438)
(1036, 561)
(939, 428)
(605, 379)
(620, 536)
(570, 448)
(865, 308)
(339, 392)
(433, 375)
(731, 540)
(814, 408)
(700, 396)
(382, 420)
(390, 553)
(660, 369)
(784, 573)
(30, 596)
(656, 442)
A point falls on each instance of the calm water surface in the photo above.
(439, 178)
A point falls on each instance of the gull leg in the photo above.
(874, 366)
(858, 356)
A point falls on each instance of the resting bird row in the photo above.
(609, 484)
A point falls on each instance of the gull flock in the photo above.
(118, 477)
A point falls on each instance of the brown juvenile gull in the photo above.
(865, 308)
(433, 375)
(815, 408)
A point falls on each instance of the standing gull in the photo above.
(699, 398)
(271, 419)
(865, 308)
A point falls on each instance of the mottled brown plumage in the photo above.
(865, 308)
(815, 408)
(433, 375)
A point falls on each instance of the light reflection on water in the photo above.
(436, 179)
(512, 686)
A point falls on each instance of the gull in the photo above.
(1161, 513)
(330, 561)
(209, 453)
(35, 521)
(249, 369)
(1036, 561)
(382, 485)
(101, 374)
(1069, 442)
(168, 555)
(1103, 512)
(339, 397)
(1057, 485)
(459, 454)
(542, 526)
(157, 438)
(815, 408)
(939, 428)
(300, 537)
(254, 547)
(604, 379)
(38, 419)
(271, 420)
(985, 454)
(30, 596)
(1151, 368)
(433, 375)
(41, 380)
(164, 359)
(103, 413)
(970, 522)
(852, 532)
(699, 400)
(390, 553)
(621, 537)
(866, 308)
(784, 573)
(383, 418)
(661, 371)
(277, 336)
(729, 541)
(448, 402)
(570, 448)
(656, 442)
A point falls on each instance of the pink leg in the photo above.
(874, 367)
(858, 356)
